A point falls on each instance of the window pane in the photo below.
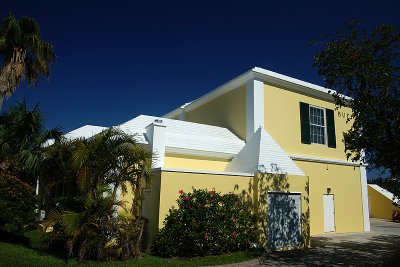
(317, 125)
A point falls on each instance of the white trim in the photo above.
(156, 135)
(204, 172)
(283, 79)
(266, 76)
(225, 88)
(254, 107)
(384, 192)
(325, 160)
(364, 194)
(200, 153)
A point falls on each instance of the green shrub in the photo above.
(17, 204)
(205, 223)
(95, 233)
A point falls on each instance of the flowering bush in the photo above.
(205, 223)
(17, 203)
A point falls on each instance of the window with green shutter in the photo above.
(330, 122)
(305, 123)
(317, 125)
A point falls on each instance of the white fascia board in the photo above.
(296, 85)
(232, 84)
(205, 172)
(325, 160)
(266, 76)
(201, 153)
(383, 191)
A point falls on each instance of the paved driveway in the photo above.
(380, 247)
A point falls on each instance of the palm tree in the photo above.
(110, 160)
(22, 137)
(24, 53)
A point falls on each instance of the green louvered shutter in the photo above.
(330, 121)
(305, 123)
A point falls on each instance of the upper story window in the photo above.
(317, 125)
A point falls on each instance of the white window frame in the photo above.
(311, 124)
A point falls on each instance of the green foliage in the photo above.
(205, 223)
(365, 65)
(17, 203)
(96, 167)
(24, 53)
(29, 255)
(96, 232)
(22, 136)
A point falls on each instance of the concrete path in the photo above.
(380, 247)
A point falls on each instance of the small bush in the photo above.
(94, 233)
(205, 223)
(17, 204)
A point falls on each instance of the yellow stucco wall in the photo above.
(126, 198)
(228, 110)
(345, 184)
(282, 122)
(379, 205)
(177, 161)
(168, 184)
(172, 182)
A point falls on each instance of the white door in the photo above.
(329, 213)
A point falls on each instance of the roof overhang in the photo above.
(268, 77)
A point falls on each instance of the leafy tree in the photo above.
(365, 65)
(94, 232)
(98, 166)
(17, 202)
(57, 177)
(24, 54)
(22, 137)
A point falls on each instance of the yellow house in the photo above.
(381, 202)
(266, 123)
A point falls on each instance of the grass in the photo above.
(26, 253)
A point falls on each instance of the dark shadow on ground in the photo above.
(382, 250)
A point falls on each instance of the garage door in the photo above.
(284, 219)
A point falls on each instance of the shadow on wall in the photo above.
(281, 223)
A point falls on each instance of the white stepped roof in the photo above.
(188, 137)
(384, 192)
(263, 150)
(86, 131)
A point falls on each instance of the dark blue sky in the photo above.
(118, 59)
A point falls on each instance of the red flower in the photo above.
(213, 200)
(212, 192)
(186, 198)
(234, 233)
(206, 237)
(180, 192)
